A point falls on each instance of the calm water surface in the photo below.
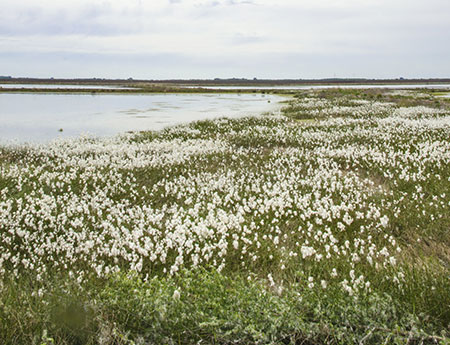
(343, 86)
(39, 117)
(61, 86)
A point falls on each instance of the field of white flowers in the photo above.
(335, 200)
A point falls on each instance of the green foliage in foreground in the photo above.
(202, 306)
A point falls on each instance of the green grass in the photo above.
(212, 308)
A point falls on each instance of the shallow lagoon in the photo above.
(62, 86)
(39, 117)
(334, 86)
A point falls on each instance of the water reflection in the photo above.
(39, 117)
(335, 86)
(62, 86)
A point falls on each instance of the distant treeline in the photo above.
(220, 81)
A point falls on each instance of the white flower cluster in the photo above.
(306, 197)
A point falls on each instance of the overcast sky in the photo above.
(164, 39)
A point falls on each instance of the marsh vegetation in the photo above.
(327, 223)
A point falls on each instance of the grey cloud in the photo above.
(94, 19)
(273, 65)
(243, 39)
(224, 38)
(216, 3)
(241, 2)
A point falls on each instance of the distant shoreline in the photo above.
(147, 90)
(218, 82)
(97, 87)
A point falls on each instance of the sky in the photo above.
(187, 39)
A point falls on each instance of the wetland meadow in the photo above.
(320, 217)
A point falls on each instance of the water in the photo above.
(61, 86)
(342, 86)
(39, 117)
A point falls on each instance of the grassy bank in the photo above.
(144, 89)
(328, 223)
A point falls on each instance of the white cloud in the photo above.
(237, 32)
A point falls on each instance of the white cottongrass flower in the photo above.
(176, 295)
